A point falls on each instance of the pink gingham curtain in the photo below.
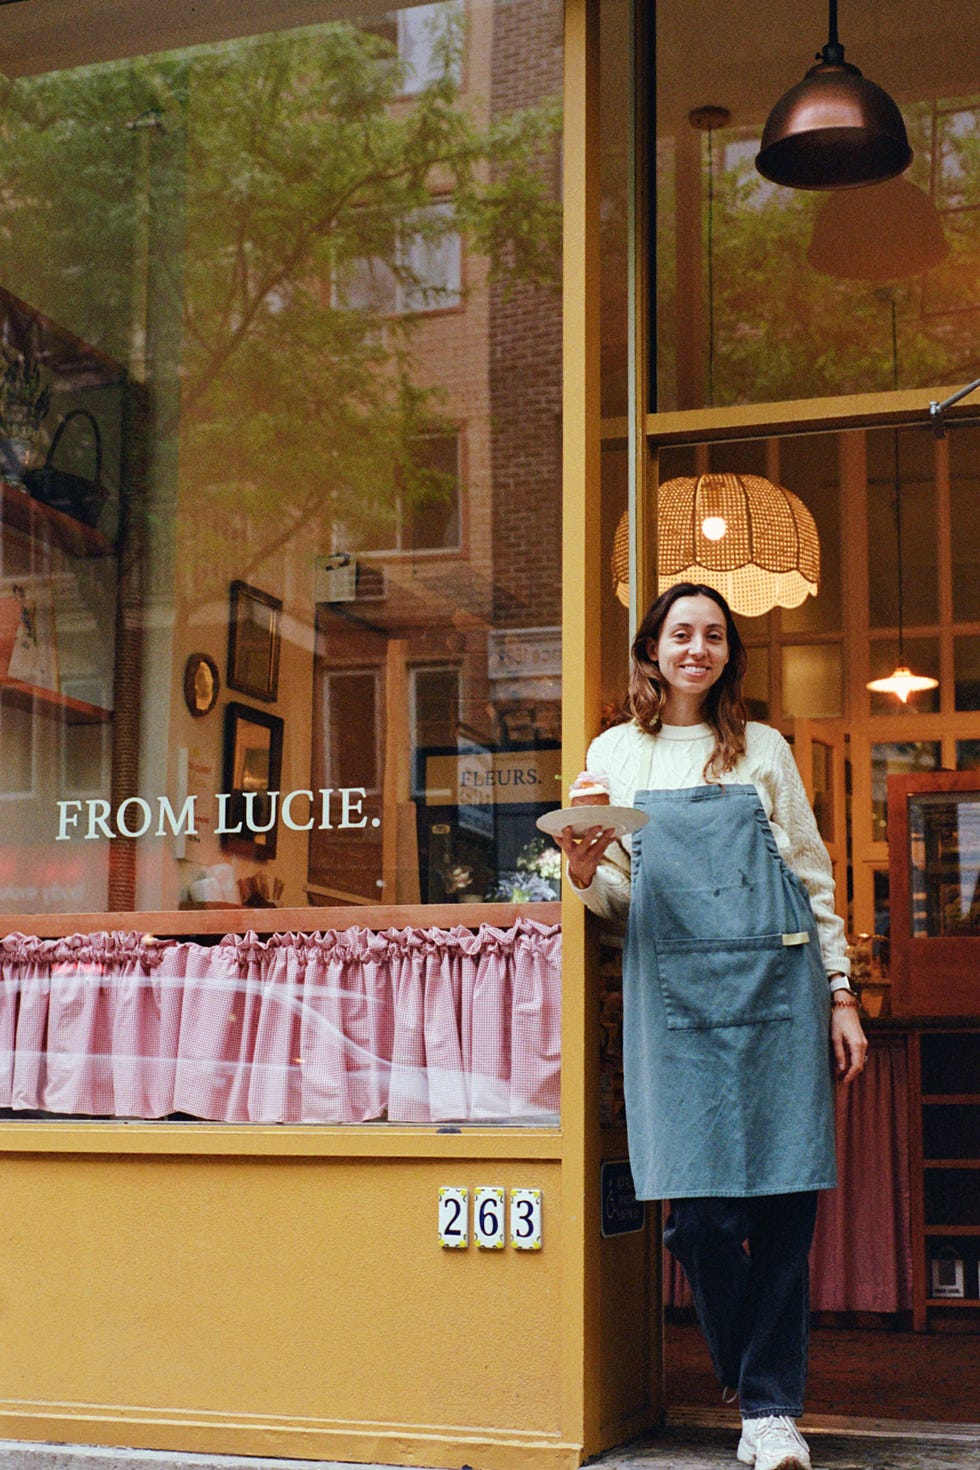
(410, 1025)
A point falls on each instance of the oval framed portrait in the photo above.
(202, 683)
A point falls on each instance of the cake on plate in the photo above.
(588, 789)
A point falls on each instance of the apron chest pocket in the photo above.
(725, 982)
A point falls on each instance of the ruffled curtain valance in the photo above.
(411, 1025)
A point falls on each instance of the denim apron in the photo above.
(726, 1020)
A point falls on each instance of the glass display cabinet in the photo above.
(934, 876)
(934, 871)
(944, 1158)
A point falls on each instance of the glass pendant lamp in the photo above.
(901, 682)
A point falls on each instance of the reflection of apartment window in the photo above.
(431, 523)
(419, 35)
(428, 520)
(952, 286)
(954, 139)
(352, 728)
(426, 274)
(435, 695)
(434, 711)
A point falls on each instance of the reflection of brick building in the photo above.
(525, 390)
(424, 639)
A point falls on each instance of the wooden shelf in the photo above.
(947, 1054)
(285, 921)
(34, 519)
(50, 702)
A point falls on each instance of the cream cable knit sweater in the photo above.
(634, 761)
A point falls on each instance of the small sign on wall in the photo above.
(484, 778)
(946, 1273)
(489, 1217)
(622, 1212)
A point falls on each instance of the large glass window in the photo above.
(280, 329)
(768, 297)
(782, 297)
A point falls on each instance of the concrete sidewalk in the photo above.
(835, 1445)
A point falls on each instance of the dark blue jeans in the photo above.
(746, 1260)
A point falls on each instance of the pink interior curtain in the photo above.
(412, 1025)
(862, 1255)
(861, 1259)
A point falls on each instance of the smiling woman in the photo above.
(734, 960)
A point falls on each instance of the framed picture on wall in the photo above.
(252, 772)
(253, 642)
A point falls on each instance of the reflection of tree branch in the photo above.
(288, 267)
(318, 171)
(298, 524)
(290, 263)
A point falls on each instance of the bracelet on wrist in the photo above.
(843, 1000)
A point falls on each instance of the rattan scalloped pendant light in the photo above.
(753, 541)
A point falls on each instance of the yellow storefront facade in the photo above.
(345, 347)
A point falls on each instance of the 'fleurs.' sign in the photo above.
(338, 808)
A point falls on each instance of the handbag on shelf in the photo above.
(73, 494)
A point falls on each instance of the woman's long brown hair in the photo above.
(723, 708)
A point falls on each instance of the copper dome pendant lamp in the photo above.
(835, 129)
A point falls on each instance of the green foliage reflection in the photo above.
(204, 216)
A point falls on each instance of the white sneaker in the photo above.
(773, 1443)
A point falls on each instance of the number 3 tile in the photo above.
(525, 1219)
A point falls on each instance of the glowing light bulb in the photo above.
(714, 527)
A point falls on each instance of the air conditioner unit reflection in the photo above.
(339, 578)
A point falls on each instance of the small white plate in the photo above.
(623, 818)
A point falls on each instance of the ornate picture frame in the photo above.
(253, 642)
